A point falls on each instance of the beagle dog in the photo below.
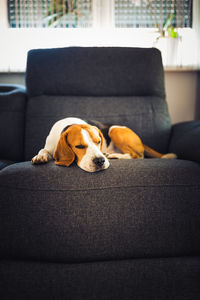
(92, 144)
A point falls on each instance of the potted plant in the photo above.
(62, 13)
(167, 39)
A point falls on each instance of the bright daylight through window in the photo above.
(26, 24)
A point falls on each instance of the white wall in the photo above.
(181, 95)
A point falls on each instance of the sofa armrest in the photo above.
(7, 89)
(12, 116)
(185, 140)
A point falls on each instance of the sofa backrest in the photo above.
(121, 86)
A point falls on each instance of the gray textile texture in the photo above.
(129, 232)
(135, 209)
(4, 163)
(141, 279)
(95, 71)
(12, 115)
(147, 116)
(185, 140)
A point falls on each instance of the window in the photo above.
(149, 13)
(28, 24)
(50, 13)
(78, 13)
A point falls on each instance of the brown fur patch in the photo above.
(63, 154)
(127, 141)
(76, 138)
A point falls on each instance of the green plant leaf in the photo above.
(172, 33)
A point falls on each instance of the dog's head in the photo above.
(83, 143)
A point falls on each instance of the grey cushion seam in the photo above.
(97, 96)
(98, 261)
(98, 116)
(13, 111)
(43, 93)
(104, 188)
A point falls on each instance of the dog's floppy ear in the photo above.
(101, 136)
(63, 154)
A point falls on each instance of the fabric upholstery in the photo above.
(185, 140)
(141, 279)
(134, 209)
(129, 232)
(12, 115)
(147, 116)
(90, 71)
(4, 163)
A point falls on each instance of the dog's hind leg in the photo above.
(119, 156)
(127, 141)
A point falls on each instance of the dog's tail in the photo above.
(154, 154)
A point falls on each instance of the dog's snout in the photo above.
(99, 161)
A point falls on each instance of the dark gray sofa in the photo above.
(129, 232)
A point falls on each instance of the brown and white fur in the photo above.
(74, 139)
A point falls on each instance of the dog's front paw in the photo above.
(42, 157)
(112, 156)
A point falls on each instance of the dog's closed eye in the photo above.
(80, 146)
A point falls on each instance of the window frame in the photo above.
(103, 33)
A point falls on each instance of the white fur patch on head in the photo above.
(88, 162)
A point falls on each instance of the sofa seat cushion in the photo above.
(134, 209)
(139, 279)
(4, 163)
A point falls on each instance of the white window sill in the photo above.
(181, 69)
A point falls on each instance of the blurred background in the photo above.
(173, 26)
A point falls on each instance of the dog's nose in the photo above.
(99, 161)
